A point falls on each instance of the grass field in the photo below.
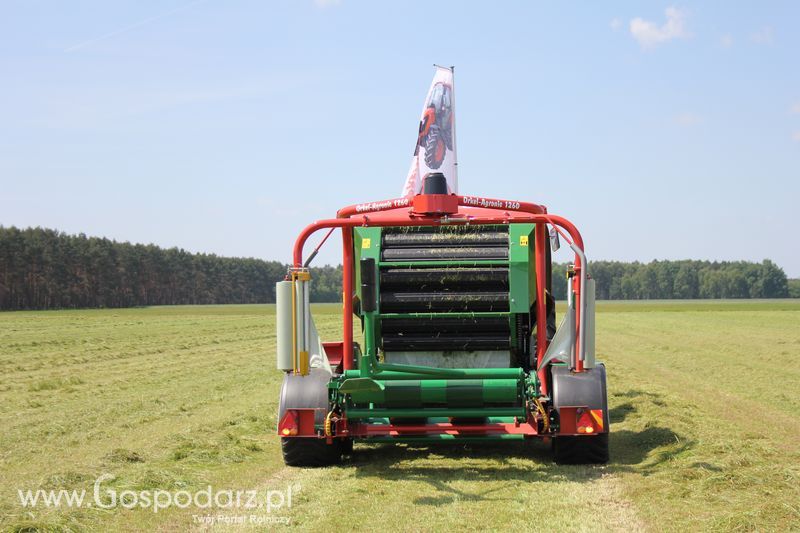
(704, 400)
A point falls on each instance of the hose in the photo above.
(328, 424)
(545, 418)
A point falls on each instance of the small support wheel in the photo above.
(309, 451)
(347, 447)
(587, 388)
(571, 450)
(308, 392)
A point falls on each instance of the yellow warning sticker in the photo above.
(523, 240)
(366, 243)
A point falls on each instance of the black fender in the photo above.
(305, 392)
(581, 388)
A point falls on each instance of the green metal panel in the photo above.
(397, 391)
(521, 278)
(367, 244)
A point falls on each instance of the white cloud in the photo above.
(322, 4)
(763, 36)
(649, 34)
(796, 136)
(726, 41)
(688, 119)
(795, 109)
(615, 24)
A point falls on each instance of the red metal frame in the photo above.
(300, 420)
(440, 210)
(475, 210)
(441, 428)
(347, 292)
(335, 352)
(570, 416)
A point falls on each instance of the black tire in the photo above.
(308, 451)
(433, 143)
(581, 450)
(586, 388)
(347, 447)
(307, 392)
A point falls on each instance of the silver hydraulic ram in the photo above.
(283, 325)
(586, 327)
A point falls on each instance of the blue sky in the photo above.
(665, 131)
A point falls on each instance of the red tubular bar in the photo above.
(578, 289)
(465, 201)
(541, 301)
(505, 205)
(533, 213)
(391, 430)
(373, 207)
(347, 298)
(386, 221)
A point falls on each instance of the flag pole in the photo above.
(452, 69)
(455, 146)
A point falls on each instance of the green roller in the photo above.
(456, 393)
(471, 373)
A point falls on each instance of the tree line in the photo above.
(48, 269)
(681, 280)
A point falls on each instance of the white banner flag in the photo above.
(436, 141)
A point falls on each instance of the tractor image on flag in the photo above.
(453, 298)
(436, 126)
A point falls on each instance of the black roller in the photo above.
(445, 342)
(409, 302)
(444, 289)
(445, 243)
(415, 239)
(451, 230)
(435, 326)
(445, 253)
(454, 278)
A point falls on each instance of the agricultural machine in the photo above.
(453, 297)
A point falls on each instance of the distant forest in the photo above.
(48, 269)
(683, 280)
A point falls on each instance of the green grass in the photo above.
(704, 400)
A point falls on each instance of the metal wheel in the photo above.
(586, 388)
(309, 392)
